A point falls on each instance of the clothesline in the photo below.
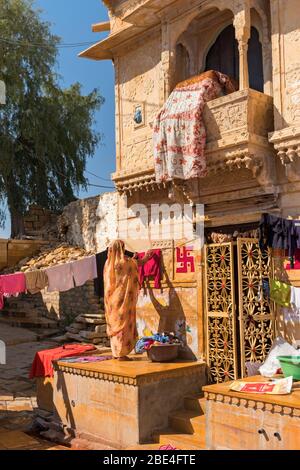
(66, 276)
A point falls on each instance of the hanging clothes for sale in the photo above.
(84, 270)
(100, 263)
(11, 284)
(36, 281)
(151, 269)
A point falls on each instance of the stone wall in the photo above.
(40, 223)
(90, 223)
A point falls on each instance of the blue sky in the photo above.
(72, 20)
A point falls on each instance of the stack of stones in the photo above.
(89, 328)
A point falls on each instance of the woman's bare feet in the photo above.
(124, 358)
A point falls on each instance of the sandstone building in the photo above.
(253, 149)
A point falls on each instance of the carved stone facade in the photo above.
(151, 42)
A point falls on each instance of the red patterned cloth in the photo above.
(11, 284)
(151, 268)
(179, 136)
(42, 364)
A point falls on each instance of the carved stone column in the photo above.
(167, 63)
(242, 24)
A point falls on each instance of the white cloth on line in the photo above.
(84, 270)
(295, 297)
(291, 314)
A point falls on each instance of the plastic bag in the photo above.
(280, 347)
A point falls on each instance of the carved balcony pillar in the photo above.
(242, 25)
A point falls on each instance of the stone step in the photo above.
(74, 337)
(92, 334)
(180, 441)
(92, 320)
(30, 323)
(187, 421)
(195, 403)
(144, 447)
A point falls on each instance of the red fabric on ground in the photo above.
(42, 363)
(151, 268)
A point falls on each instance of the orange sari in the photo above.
(121, 289)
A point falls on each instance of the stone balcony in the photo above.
(237, 138)
(237, 133)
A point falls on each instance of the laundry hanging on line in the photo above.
(59, 278)
(288, 297)
(279, 233)
(151, 269)
(64, 277)
(11, 284)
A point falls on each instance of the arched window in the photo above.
(255, 62)
(224, 57)
(182, 63)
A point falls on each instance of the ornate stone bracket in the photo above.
(129, 184)
(287, 144)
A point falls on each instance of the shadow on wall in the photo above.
(171, 316)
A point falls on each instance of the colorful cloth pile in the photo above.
(144, 344)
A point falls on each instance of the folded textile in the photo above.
(11, 284)
(151, 268)
(87, 359)
(42, 363)
(84, 270)
(36, 281)
(280, 293)
(60, 278)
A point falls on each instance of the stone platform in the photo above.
(122, 403)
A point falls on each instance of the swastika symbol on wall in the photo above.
(185, 260)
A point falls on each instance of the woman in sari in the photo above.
(121, 289)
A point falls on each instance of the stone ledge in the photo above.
(139, 372)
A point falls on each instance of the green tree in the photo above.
(46, 132)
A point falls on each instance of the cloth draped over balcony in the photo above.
(179, 135)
